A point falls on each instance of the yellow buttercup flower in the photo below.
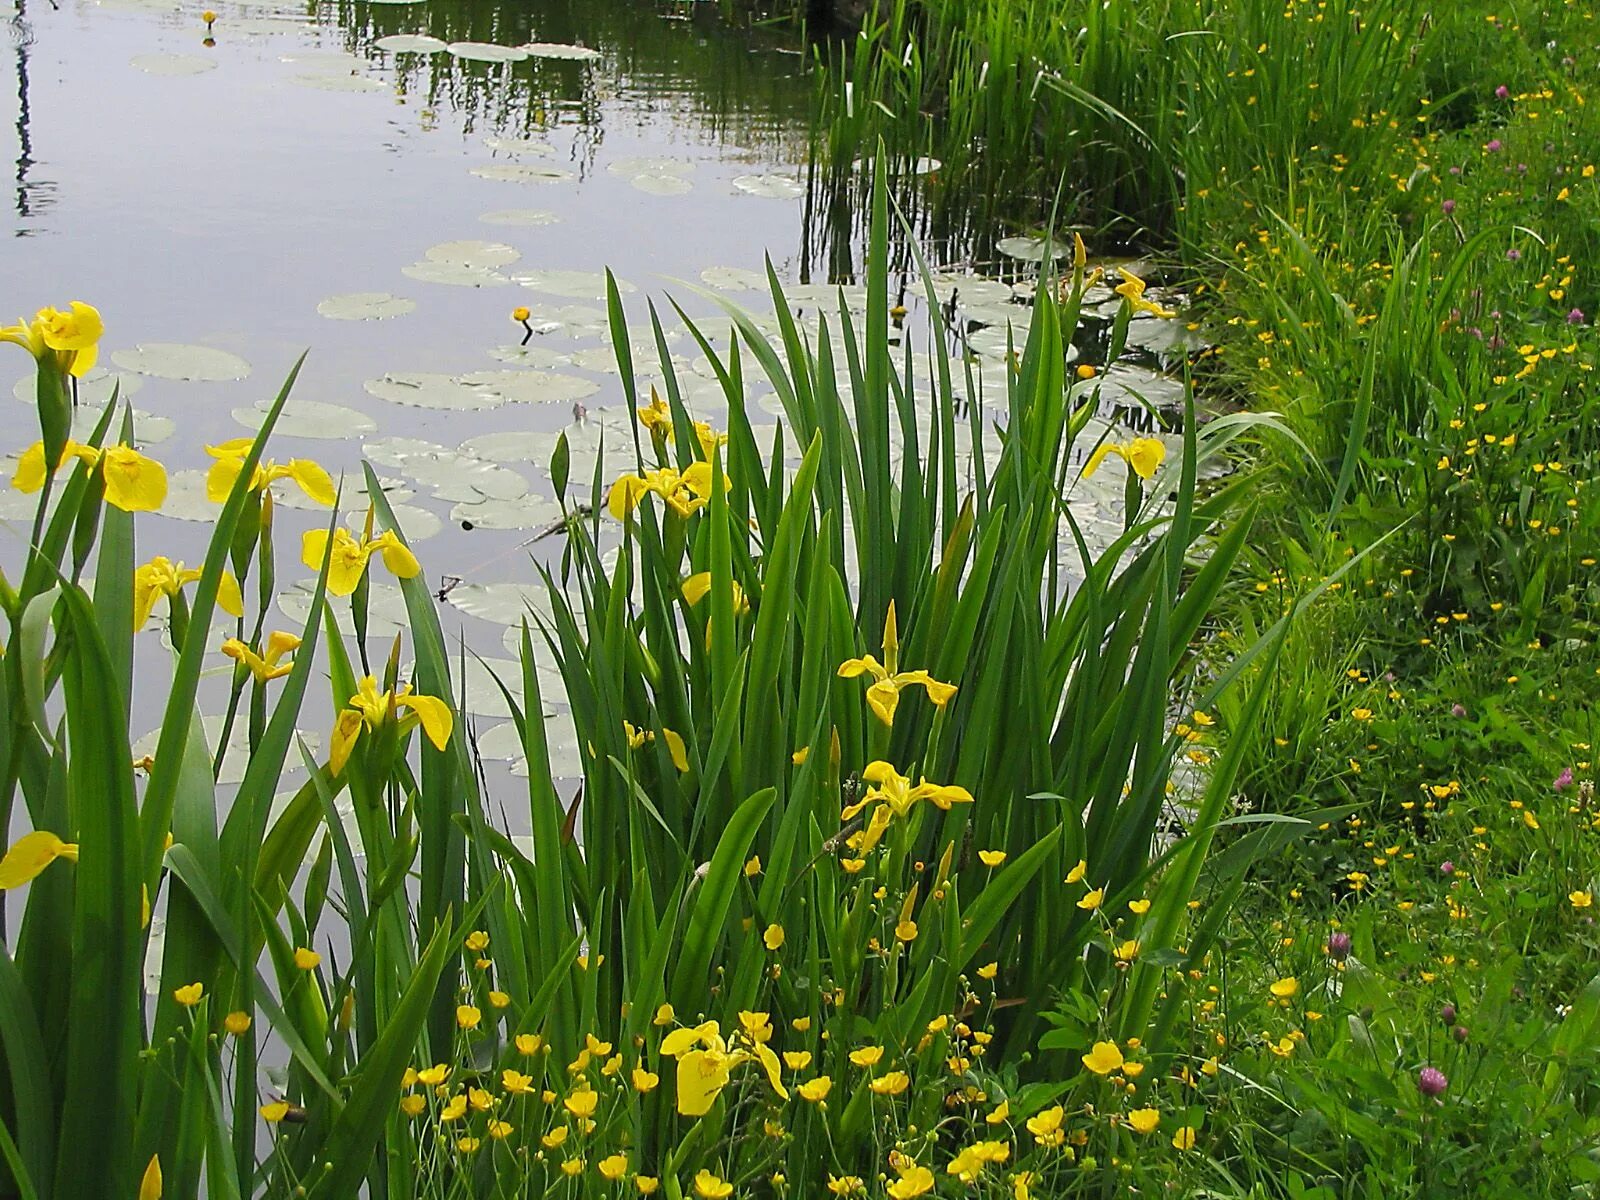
(816, 1090)
(32, 853)
(189, 994)
(582, 1102)
(306, 958)
(369, 709)
(915, 1180)
(1132, 288)
(1184, 1138)
(468, 1017)
(1285, 989)
(1144, 1120)
(350, 555)
(1103, 1058)
(891, 796)
(274, 1112)
(773, 937)
(1046, 1126)
(1145, 455)
(644, 1082)
(883, 696)
(71, 337)
(706, 1062)
(711, 1187)
(230, 455)
(133, 482)
(268, 666)
(1580, 899)
(891, 1083)
(1078, 872)
(684, 492)
(1092, 899)
(613, 1167)
(991, 858)
(237, 1023)
(163, 577)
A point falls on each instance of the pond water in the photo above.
(383, 183)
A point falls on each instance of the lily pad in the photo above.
(560, 50)
(329, 81)
(173, 64)
(308, 419)
(237, 756)
(1031, 249)
(525, 512)
(647, 165)
(426, 389)
(523, 173)
(454, 274)
(386, 609)
(660, 184)
(486, 52)
(172, 360)
(186, 498)
(971, 290)
(410, 43)
(573, 320)
(394, 451)
(94, 389)
(733, 279)
(770, 187)
(509, 145)
(148, 429)
(473, 482)
(539, 357)
(519, 216)
(500, 603)
(532, 387)
(471, 252)
(575, 285)
(365, 306)
(418, 523)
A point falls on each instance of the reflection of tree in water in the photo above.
(32, 196)
(739, 87)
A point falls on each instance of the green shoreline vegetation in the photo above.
(919, 851)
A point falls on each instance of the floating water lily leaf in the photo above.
(330, 81)
(173, 64)
(1030, 249)
(541, 357)
(596, 358)
(500, 603)
(473, 482)
(332, 61)
(536, 446)
(525, 512)
(971, 290)
(575, 285)
(419, 524)
(661, 185)
(1130, 387)
(94, 389)
(519, 216)
(237, 756)
(386, 609)
(508, 145)
(171, 360)
(523, 173)
(733, 279)
(308, 419)
(560, 50)
(1164, 336)
(365, 306)
(532, 387)
(186, 497)
(410, 43)
(771, 187)
(394, 451)
(650, 165)
(454, 274)
(354, 485)
(471, 252)
(426, 389)
(487, 52)
(148, 430)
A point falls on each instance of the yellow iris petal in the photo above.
(1098, 457)
(134, 483)
(313, 480)
(675, 747)
(78, 328)
(220, 478)
(434, 714)
(345, 731)
(625, 495)
(702, 1074)
(1145, 455)
(150, 1184)
(397, 556)
(229, 597)
(696, 586)
(30, 473)
(883, 698)
(852, 667)
(32, 853)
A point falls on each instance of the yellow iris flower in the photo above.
(893, 796)
(230, 455)
(268, 666)
(1145, 455)
(350, 555)
(1131, 289)
(675, 746)
(706, 1062)
(163, 577)
(133, 482)
(684, 492)
(32, 853)
(370, 709)
(884, 694)
(73, 336)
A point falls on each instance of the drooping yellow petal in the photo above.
(625, 495)
(220, 478)
(769, 1060)
(313, 480)
(852, 667)
(696, 586)
(1098, 457)
(32, 853)
(134, 483)
(883, 698)
(1146, 455)
(349, 561)
(232, 448)
(434, 714)
(676, 748)
(30, 473)
(345, 731)
(702, 1074)
(397, 557)
(78, 328)
(229, 598)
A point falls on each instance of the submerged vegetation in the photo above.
(921, 841)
